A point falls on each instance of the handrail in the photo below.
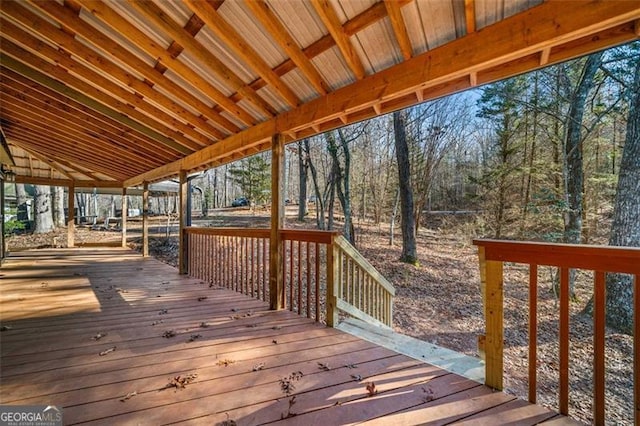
(231, 232)
(601, 259)
(360, 290)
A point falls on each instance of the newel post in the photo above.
(276, 279)
(491, 282)
(183, 260)
(332, 282)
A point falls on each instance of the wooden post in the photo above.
(332, 281)
(145, 219)
(491, 275)
(125, 213)
(71, 220)
(183, 257)
(276, 280)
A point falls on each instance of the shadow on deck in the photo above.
(55, 302)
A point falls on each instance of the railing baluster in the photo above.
(564, 341)
(599, 302)
(265, 265)
(533, 331)
(317, 281)
(291, 256)
(299, 289)
(308, 283)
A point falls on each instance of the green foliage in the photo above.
(253, 176)
(12, 226)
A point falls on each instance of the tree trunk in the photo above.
(57, 193)
(42, 211)
(303, 169)
(409, 250)
(574, 173)
(625, 230)
(21, 199)
(316, 187)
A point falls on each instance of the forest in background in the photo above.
(534, 157)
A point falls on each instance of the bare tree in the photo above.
(43, 211)
(57, 194)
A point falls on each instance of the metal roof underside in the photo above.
(114, 93)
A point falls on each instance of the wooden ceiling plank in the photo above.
(399, 28)
(101, 88)
(42, 144)
(470, 15)
(549, 24)
(66, 183)
(39, 132)
(280, 34)
(60, 104)
(330, 20)
(79, 123)
(152, 12)
(30, 164)
(87, 94)
(240, 47)
(52, 164)
(29, 19)
(107, 15)
(90, 136)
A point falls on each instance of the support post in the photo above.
(183, 258)
(145, 219)
(71, 220)
(332, 287)
(125, 213)
(276, 280)
(491, 277)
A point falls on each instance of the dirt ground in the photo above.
(440, 302)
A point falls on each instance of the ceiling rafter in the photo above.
(551, 24)
(115, 109)
(195, 48)
(71, 45)
(330, 20)
(240, 47)
(56, 103)
(399, 28)
(470, 15)
(272, 24)
(111, 18)
(67, 122)
(67, 183)
(43, 158)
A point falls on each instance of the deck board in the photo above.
(55, 301)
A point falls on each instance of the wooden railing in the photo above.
(361, 291)
(602, 260)
(234, 258)
(322, 273)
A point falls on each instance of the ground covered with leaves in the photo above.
(439, 301)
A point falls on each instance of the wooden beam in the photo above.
(103, 12)
(278, 31)
(105, 91)
(328, 16)
(46, 160)
(145, 219)
(125, 214)
(208, 59)
(549, 24)
(65, 182)
(71, 45)
(71, 221)
(183, 249)
(399, 28)
(85, 100)
(240, 47)
(470, 15)
(276, 279)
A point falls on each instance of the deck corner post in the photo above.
(332, 283)
(183, 257)
(71, 220)
(276, 279)
(125, 213)
(491, 277)
(145, 219)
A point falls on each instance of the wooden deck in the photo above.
(55, 301)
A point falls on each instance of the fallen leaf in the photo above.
(194, 337)
(371, 389)
(128, 396)
(225, 362)
(324, 366)
(99, 336)
(204, 325)
(356, 377)
(168, 334)
(201, 298)
(258, 367)
(106, 351)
